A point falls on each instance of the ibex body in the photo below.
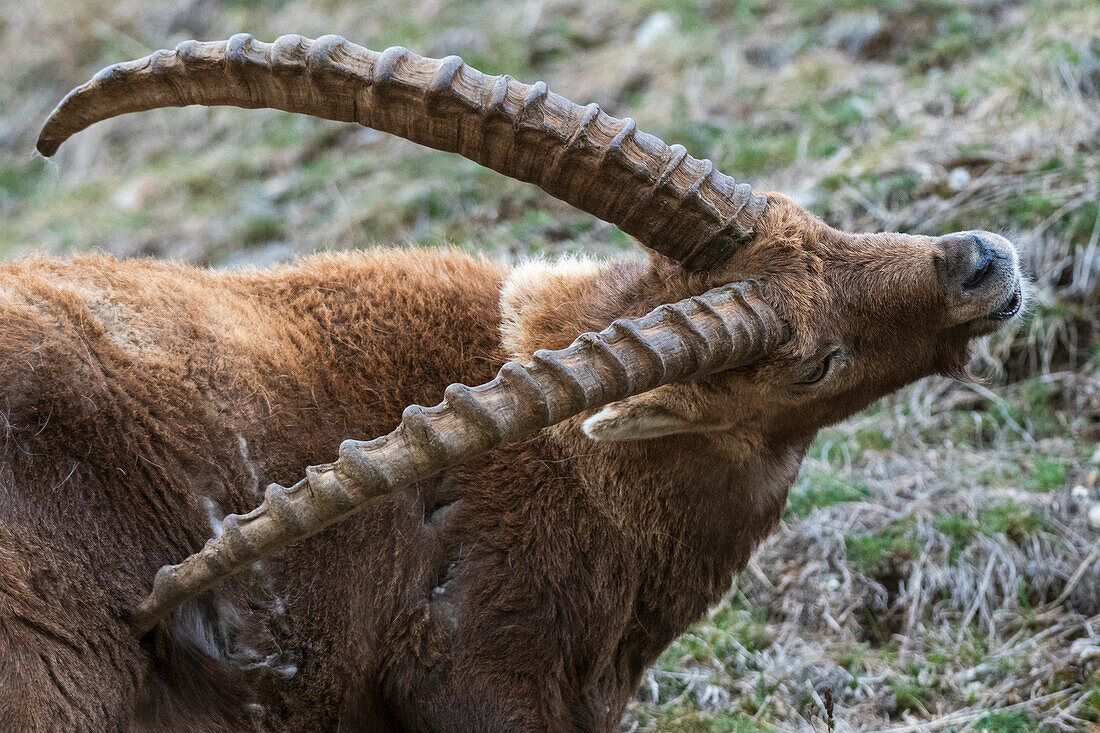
(526, 588)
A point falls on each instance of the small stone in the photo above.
(860, 35)
(1094, 516)
(1079, 492)
(134, 193)
(277, 187)
(767, 57)
(1085, 649)
(958, 179)
(924, 170)
(656, 26)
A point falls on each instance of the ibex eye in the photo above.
(819, 371)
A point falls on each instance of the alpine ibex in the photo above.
(520, 553)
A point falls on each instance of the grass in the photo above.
(1015, 521)
(875, 554)
(1090, 704)
(909, 694)
(1047, 475)
(961, 529)
(819, 490)
(1001, 722)
(691, 721)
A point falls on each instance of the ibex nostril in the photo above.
(981, 273)
(971, 261)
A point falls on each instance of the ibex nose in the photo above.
(973, 260)
(980, 269)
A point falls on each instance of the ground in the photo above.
(937, 568)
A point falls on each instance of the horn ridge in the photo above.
(600, 164)
(723, 328)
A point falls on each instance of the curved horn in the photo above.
(724, 328)
(673, 203)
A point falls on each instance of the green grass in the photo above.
(968, 647)
(820, 489)
(1090, 705)
(876, 554)
(838, 446)
(18, 180)
(1006, 722)
(1029, 410)
(1014, 520)
(686, 720)
(1048, 474)
(1002, 476)
(960, 528)
(728, 629)
(259, 229)
(910, 695)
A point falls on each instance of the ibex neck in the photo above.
(691, 506)
(688, 501)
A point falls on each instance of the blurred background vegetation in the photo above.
(937, 567)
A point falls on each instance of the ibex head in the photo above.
(868, 313)
(816, 324)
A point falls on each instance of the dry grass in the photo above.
(937, 569)
(950, 579)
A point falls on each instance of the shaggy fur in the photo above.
(527, 590)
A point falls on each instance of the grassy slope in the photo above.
(932, 565)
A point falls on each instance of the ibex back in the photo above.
(523, 588)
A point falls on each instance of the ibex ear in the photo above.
(637, 418)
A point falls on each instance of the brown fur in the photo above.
(527, 590)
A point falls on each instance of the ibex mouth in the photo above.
(1003, 312)
(1011, 306)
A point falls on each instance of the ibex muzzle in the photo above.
(978, 268)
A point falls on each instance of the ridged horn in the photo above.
(724, 328)
(668, 200)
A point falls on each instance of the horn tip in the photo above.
(47, 146)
